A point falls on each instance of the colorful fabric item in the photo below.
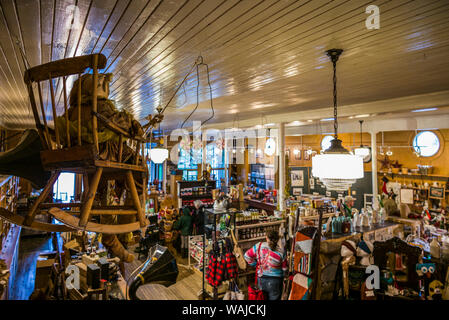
(212, 271)
(302, 263)
(300, 287)
(230, 266)
(302, 258)
(350, 245)
(366, 246)
(271, 263)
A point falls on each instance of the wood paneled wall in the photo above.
(399, 141)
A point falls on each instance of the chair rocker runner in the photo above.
(91, 138)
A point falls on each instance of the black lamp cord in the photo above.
(334, 54)
(361, 123)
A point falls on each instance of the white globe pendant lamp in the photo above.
(336, 167)
(158, 155)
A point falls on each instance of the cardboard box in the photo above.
(44, 264)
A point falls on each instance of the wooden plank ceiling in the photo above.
(264, 57)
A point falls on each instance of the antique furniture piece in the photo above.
(100, 149)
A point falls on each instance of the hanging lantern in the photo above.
(362, 151)
(158, 155)
(336, 167)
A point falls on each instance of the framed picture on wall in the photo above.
(436, 192)
(407, 196)
(297, 152)
(297, 177)
(312, 183)
(306, 155)
(297, 191)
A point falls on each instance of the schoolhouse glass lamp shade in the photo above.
(362, 151)
(158, 155)
(336, 167)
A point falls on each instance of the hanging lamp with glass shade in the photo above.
(158, 155)
(270, 145)
(336, 167)
(362, 151)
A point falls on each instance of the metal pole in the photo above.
(374, 165)
(281, 152)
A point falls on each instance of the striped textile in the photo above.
(272, 263)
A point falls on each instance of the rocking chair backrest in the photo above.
(57, 69)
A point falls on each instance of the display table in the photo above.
(330, 252)
(369, 231)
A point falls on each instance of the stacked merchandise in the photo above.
(167, 218)
(302, 263)
(196, 247)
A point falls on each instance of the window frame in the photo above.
(440, 140)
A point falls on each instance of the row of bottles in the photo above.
(250, 217)
(250, 233)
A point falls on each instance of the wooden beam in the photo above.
(32, 213)
(135, 197)
(35, 225)
(44, 117)
(79, 108)
(36, 115)
(94, 103)
(64, 67)
(67, 123)
(53, 107)
(120, 148)
(86, 208)
(94, 227)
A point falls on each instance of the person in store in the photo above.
(184, 224)
(198, 217)
(271, 262)
(347, 206)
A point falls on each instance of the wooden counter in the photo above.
(257, 204)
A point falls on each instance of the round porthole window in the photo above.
(426, 144)
(326, 142)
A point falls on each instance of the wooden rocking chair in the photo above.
(65, 153)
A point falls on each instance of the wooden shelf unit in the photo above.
(244, 242)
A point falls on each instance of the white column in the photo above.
(374, 165)
(228, 153)
(164, 169)
(281, 153)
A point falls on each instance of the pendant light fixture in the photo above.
(270, 145)
(362, 151)
(336, 167)
(158, 154)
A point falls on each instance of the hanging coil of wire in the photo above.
(200, 62)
